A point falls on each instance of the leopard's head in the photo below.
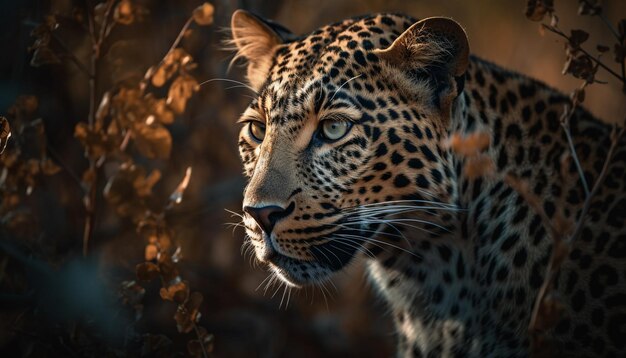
(344, 131)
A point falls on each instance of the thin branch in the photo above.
(596, 60)
(565, 120)
(624, 75)
(562, 245)
(69, 54)
(205, 354)
(143, 84)
(105, 24)
(570, 142)
(57, 158)
(609, 25)
(615, 140)
(92, 195)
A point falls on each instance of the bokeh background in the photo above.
(246, 321)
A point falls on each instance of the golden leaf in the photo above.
(159, 77)
(162, 111)
(151, 252)
(153, 141)
(177, 292)
(180, 91)
(203, 14)
(124, 13)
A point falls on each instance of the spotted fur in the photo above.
(458, 259)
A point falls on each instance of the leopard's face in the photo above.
(334, 143)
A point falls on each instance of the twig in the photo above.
(596, 60)
(57, 158)
(205, 354)
(608, 24)
(143, 84)
(91, 197)
(565, 120)
(581, 173)
(69, 54)
(615, 139)
(624, 75)
(562, 245)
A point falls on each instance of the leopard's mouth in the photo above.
(331, 254)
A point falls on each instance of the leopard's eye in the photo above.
(257, 130)
(335, 129)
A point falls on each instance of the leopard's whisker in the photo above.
(353, 245)
(262, 282)
(343, 84)
(378, 241)
(229, 80)
(234, 213)
(408, 201)
(399, 220)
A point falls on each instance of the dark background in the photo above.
(245, 321)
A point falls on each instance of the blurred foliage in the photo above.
(128, 114)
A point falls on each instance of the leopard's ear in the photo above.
(436, 49)
(255, 40)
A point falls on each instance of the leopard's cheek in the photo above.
(247, 153)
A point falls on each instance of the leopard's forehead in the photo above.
(330, 56)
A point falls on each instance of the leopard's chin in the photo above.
(329, 258)
(287, 277)
(297, 273)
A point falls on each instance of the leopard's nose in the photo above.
(266, 216)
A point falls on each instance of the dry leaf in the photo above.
(177, 292)
(124, 13)
(203, 14)
(159, 77)
(577, 37)
(589, 7)
(147, 271)
(537, 9)
(151, 252)
(153, 141)
(180, 91)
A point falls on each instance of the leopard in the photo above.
(345, 145)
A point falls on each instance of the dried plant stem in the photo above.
(555, 30)
(67, 52)
(615, 139)
(617, 36)
(144, 82)
(561, 244)
(602, 17)
(205, 354)
(91, 197)
(624, 75)
(565, 120)
(57, 158)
